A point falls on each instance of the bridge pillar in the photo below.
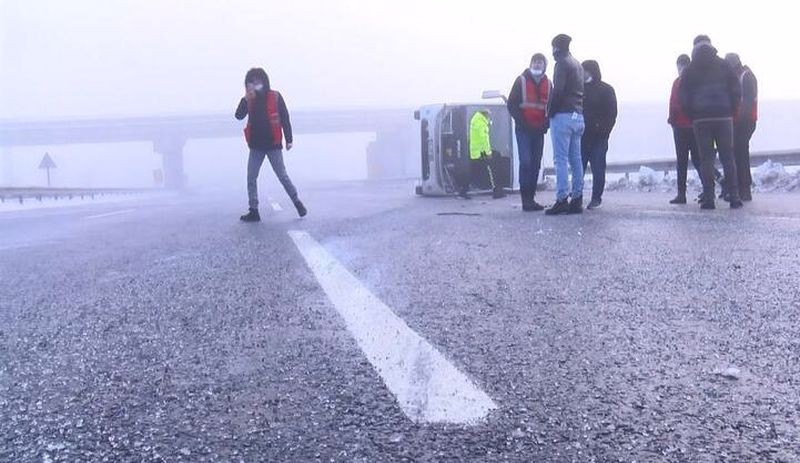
(171, 151)
(388, 156)
(7, 167)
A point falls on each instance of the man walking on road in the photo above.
(267, 123)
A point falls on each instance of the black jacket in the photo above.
(515, 99)
(709, 87)
(260, 133)
(599, 103)
(567, 95)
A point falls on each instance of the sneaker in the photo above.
(532, 206)
(736, 204)
(594, 204)
(251, 216)
(707, 205)
(301, 209)
(576, 206)
(680, 199)
(560, 207)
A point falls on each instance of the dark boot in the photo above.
(498, 193)
(560, 207)
(707, 204)
(736, 204)
(576, 205)
(251, 216)
(595, 204)
(301, 209)
(680, 199)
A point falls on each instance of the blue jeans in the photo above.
(254, 166)
(566, 130)
(530, 146)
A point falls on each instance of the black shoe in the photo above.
(595, 204)
(680, 199)
(301, 209)
(498, 194)
(560, 207)
(707, 205)
(576, 206)
(251, 216)
(532, 206)
(736, 204)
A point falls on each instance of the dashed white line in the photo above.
(427, 386)
(109, 214)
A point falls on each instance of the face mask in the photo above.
(588, 79)
(258, 87)
(536, 72)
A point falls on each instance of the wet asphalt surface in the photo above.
(172, 332)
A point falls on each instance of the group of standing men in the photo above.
(579, 110)
(713, 109)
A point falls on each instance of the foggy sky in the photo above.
(83, 57)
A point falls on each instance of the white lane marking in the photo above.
(276, 207)
(427, 387)
(109, 214)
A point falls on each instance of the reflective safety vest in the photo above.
(534, 100)
(273, 117)
(479, 139)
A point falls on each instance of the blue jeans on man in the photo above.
(566, 130)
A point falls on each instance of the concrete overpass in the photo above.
(169, 134)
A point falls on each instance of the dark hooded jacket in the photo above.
(261, 138)
(709, 88)
(599, 102)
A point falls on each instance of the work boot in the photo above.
(707, 204)
(595, 204)
(560, 207)
(498, 193)
(680, 199)
(532, 206)
(251, 216)
(576, 206)
(301, 209)
(736, 204)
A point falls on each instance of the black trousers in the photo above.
(720, 132)
(685, 148)
(742, 133)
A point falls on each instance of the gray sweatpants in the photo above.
(254, 166)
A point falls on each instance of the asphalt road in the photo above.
(163, 329)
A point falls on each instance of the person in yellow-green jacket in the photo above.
(481, 159)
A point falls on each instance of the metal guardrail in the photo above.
(786, 157)
(38, 194)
